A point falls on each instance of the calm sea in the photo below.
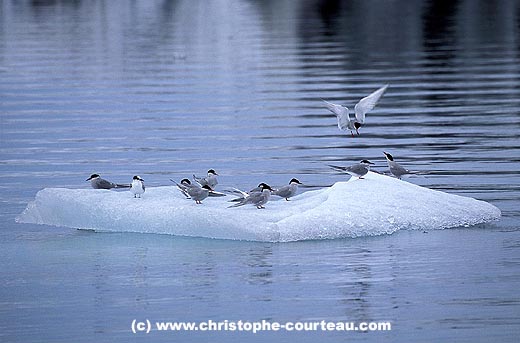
(165, 89)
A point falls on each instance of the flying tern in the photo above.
(365, 105)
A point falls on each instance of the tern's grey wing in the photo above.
(338, 167)
(193, 191)
(263, 198)
(183, 189)
(242, 195)
(368, 103)
(341, 112)
(357, 169)
(204, 194)
(255, 190)
(254, 198)
(104, 184)
(233, 190)
(242, 201)
(336, 109)
(344, 123)
(397, 169)
(284, 192)
(216, 194)
(236, 191)
(200, 180)
(197, 193)
(258, 198)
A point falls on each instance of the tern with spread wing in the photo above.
(365, 105)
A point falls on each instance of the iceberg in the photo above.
(372, 206)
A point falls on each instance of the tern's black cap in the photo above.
(93, 176)
(390, 157)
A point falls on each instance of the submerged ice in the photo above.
(373, 206)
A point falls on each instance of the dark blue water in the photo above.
(165, 89)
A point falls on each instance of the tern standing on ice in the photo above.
(199, 193)
(395, 168)
(358, 170)
(244, 194)
(98, 183)
(259, 199)
(364, 106)
(210, 180)
(289, 190)
(193, 191)
(137, 186)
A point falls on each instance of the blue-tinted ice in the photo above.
(373, 206)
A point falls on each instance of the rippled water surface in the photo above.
(164, 89)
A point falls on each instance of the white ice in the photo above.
(373, 206)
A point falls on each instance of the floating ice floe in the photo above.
(372, 206)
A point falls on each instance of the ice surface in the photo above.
(374, 206)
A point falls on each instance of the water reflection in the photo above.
(200, 277)
(102, 290)
(140, 278)
(328, 11)
(260, 266)
(356, 285)
(439, 28)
